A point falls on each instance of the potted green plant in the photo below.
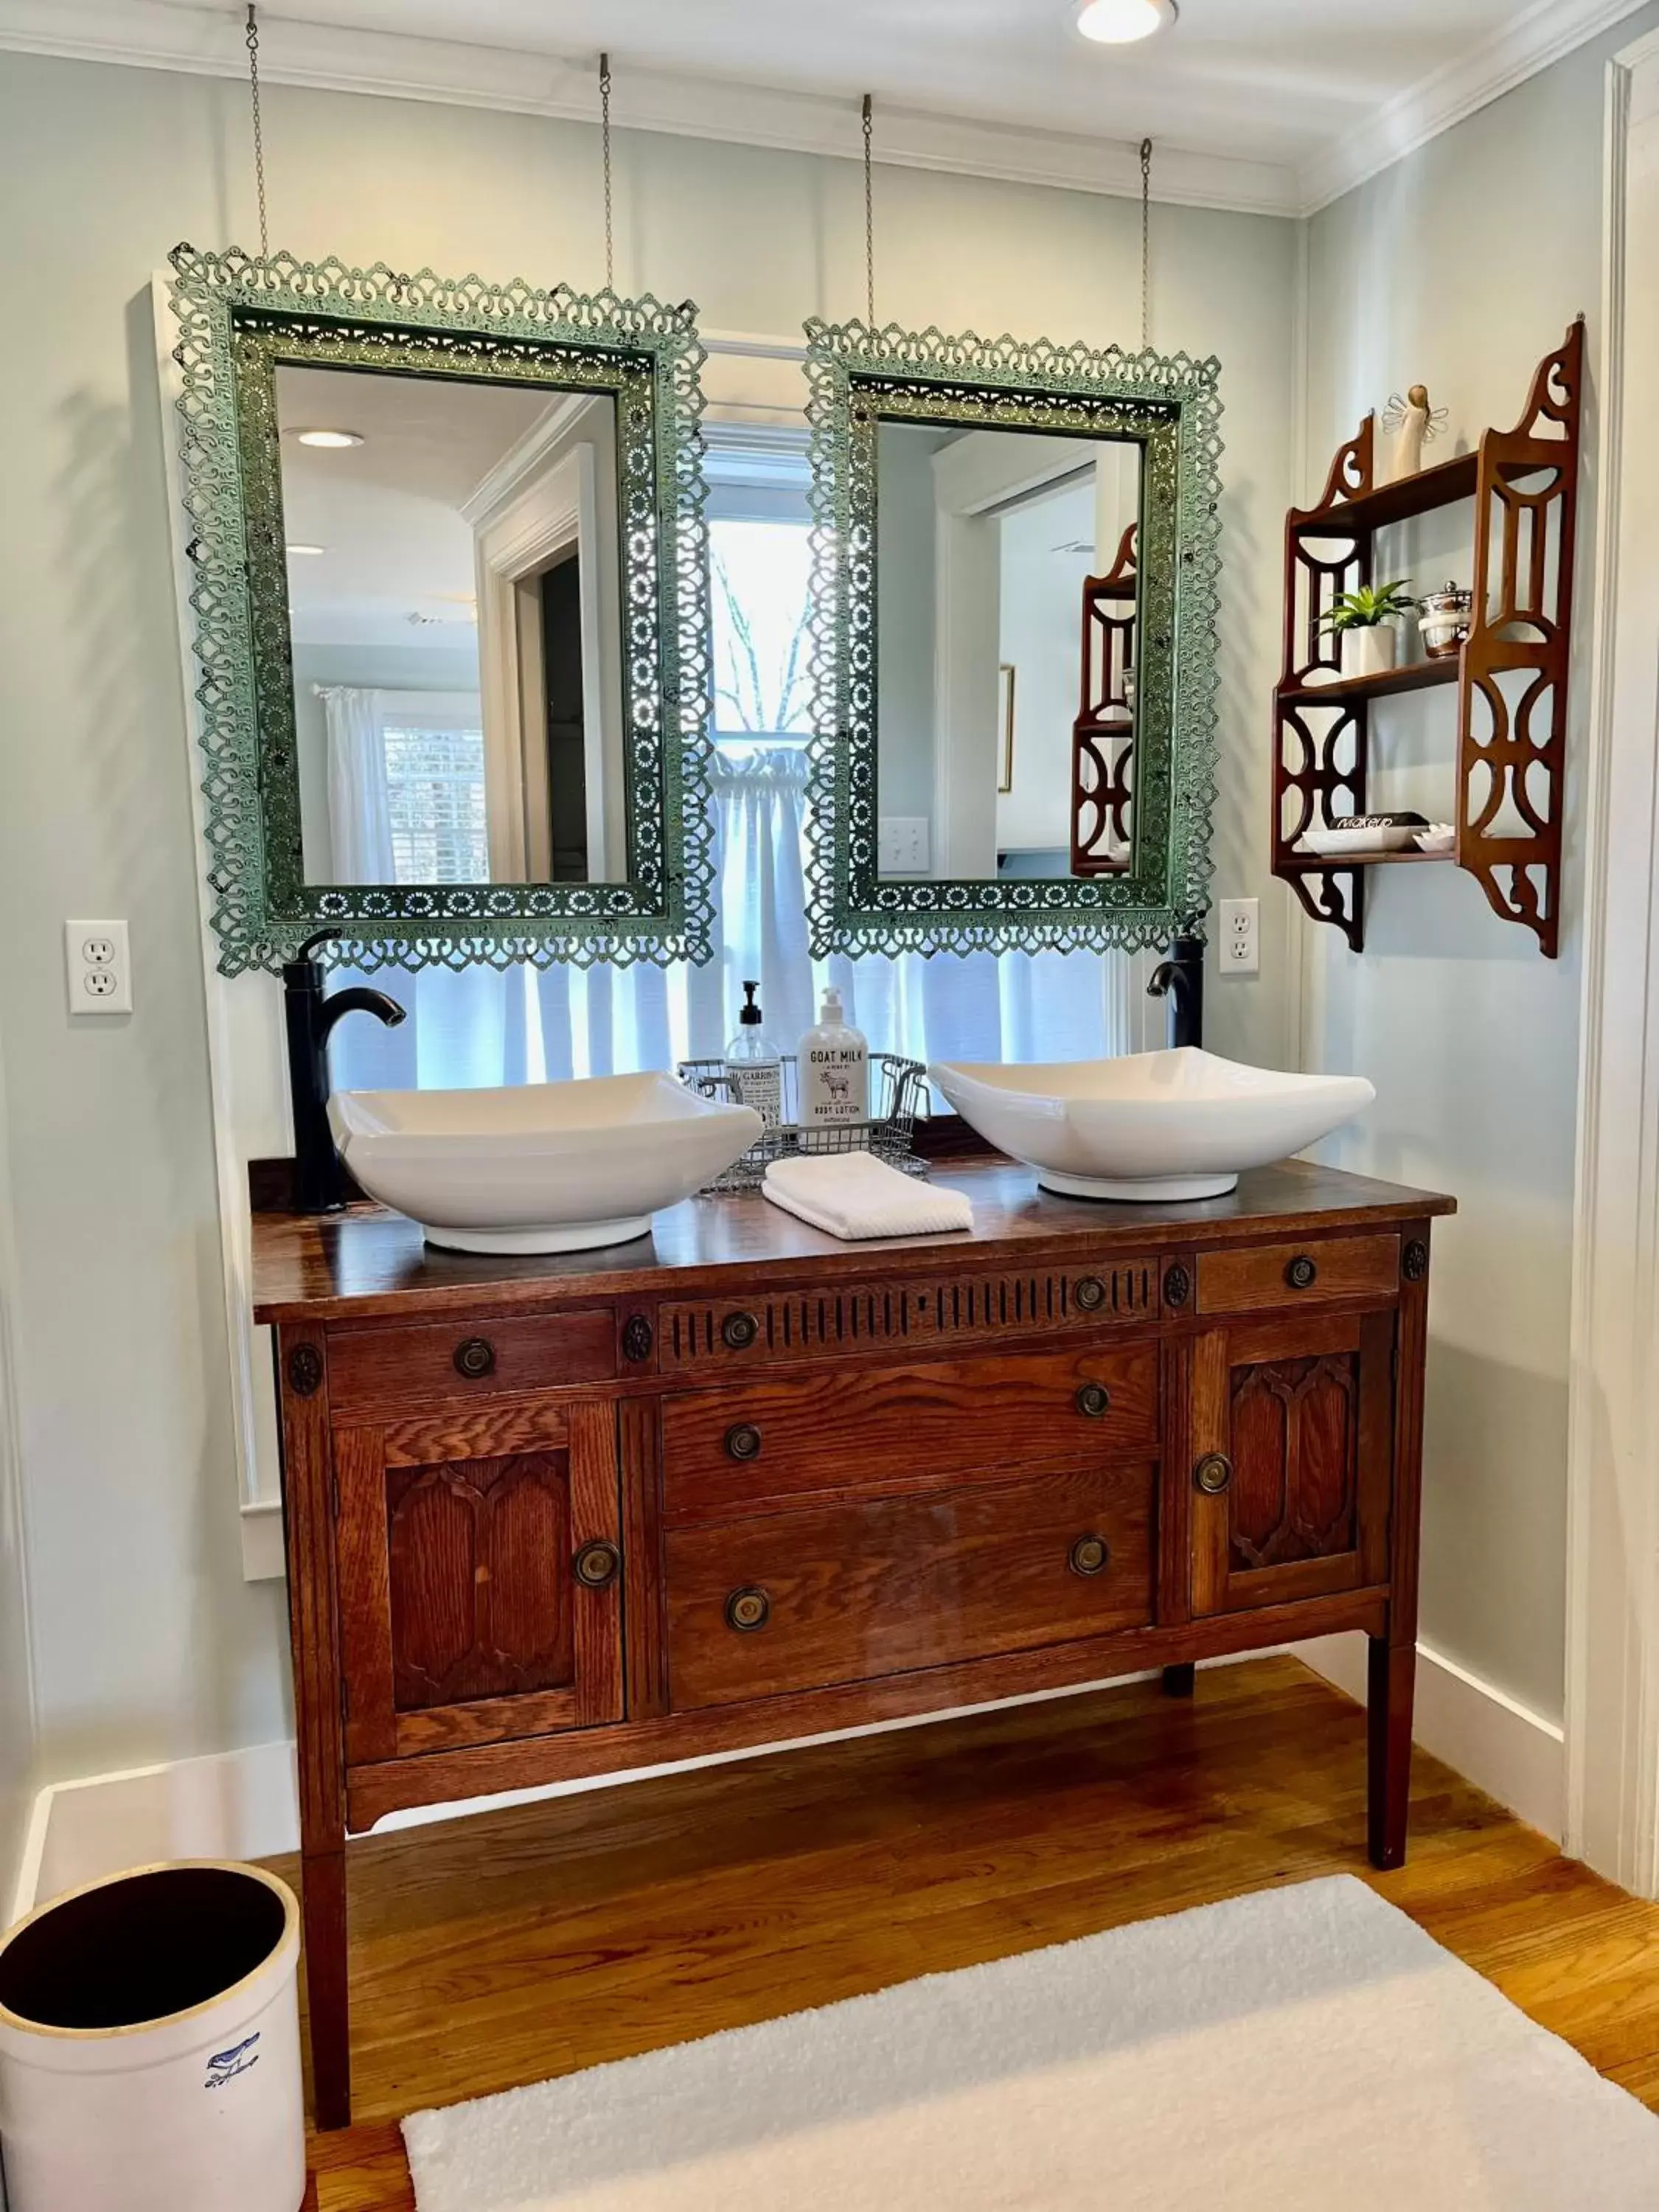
(1362, 619)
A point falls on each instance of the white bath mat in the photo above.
(1295, 2051)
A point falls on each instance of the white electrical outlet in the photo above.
(1240, 939)
(901, 845)
(98, 967)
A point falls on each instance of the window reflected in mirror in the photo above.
(1006, 621)
(453, 598)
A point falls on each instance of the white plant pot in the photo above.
(196, 2108)
(1369, 651)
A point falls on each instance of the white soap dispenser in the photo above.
(753, 1073)
(835, 1067)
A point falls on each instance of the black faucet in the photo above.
(1180, 979)
(310, 1018)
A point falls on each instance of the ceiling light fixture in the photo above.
(305, 552)
(330, 438)
(1120, 22)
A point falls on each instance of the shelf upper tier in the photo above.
(1416, 676)
(1441, 485)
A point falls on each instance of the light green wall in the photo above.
(17, 1746)
(1461, 266)
(149, 1644)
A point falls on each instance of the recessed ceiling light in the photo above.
(330, 438)
(306, 552)
(1120, 22)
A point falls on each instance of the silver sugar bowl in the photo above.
(1444, 618)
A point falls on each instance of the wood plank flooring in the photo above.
(522, 1944)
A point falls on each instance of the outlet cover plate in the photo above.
(1239, 938)
(98, 967)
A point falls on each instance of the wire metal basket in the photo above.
(898, 1090)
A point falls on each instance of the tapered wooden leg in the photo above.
(1178, 1680)
(1392, 1679)
(323, 1879)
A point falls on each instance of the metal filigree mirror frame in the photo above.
(1168, 405)
(239, 317)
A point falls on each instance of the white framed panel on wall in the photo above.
(1612, 1562)
(245, 1071)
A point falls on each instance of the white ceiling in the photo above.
(1271, 104)
(396, 564)
(1261, 80)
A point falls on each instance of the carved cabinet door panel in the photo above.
(1293, 1449)
(479, 1562)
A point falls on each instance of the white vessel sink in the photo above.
(544, 1167)
(1153, 1125)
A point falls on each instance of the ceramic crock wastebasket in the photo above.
(149, 2046)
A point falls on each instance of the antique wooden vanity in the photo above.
(741, 1484)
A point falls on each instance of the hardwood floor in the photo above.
(523, 1944)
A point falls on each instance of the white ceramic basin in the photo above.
(544, 1167)
(1153, 1125)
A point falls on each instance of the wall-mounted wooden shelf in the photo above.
(1103, 734)
(1417, 676)
(1310, 864)
(1511, 675)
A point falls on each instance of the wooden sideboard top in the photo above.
(366, 1263)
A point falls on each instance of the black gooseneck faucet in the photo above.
(1180, 979)
(310, 1015)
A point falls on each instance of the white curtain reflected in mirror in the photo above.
(993, 549)
(455, 626)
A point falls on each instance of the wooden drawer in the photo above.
(385, 1371)
(773, 1442)
(1254, 1278)
(846, 1593)
(963, 1309)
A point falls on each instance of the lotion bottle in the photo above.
(835, 1067)
(753, 1072)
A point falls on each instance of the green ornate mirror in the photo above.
(1014, 605)
(449, 584)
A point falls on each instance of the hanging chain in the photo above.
(604, 155)
(869, 212)
(1146, 243)
(258, 128)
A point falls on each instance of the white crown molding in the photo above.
(1534, 38)
(154, 34)
(207, 42)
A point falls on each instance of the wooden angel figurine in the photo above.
(1407, 424)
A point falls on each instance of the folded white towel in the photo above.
(853, 1194)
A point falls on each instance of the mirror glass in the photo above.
(454, 617)
(1006, 617)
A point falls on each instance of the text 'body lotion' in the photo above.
(834, 1067)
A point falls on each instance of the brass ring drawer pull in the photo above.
(1089, 1293)
(743, 1442)
(596, 1566)
(739, 1331)
(1213, 1473)
(1094, 1401)
(1089, 1555)
(475, 1358)
(1302, 1274)
(747, 1609)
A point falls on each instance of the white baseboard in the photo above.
(245, 1804)
(229, 1805)
(1505, 1748)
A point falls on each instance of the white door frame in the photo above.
(1612, 1721)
